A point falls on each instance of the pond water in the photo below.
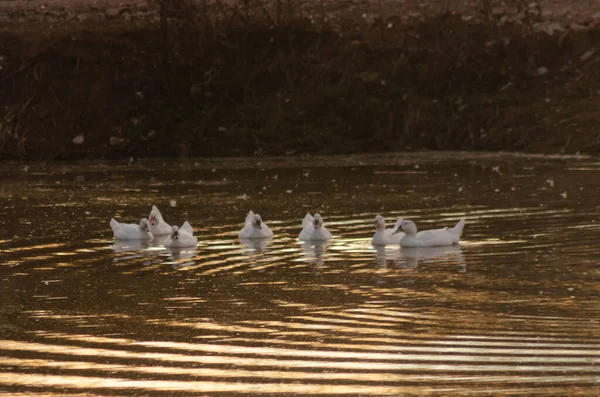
(514, 310)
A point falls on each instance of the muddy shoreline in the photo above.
(109, 83)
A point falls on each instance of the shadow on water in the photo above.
(512, 310)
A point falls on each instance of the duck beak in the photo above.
(397, 230)
(259, 224)
(153, 220)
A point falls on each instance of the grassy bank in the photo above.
(212, 83)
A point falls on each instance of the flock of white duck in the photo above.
(177, 237)
(404, 232)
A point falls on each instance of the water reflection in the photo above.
(387, 256)
(145, 249)
(256, 244)
(129, 245)
(181, 256)
(412, 257)
(433, 256)
(251, 313)
(314, 251)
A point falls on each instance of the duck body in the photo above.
(158, 226)
(313, 229)
(255, 228)
(181, 237)
(429, 238)
(385, 236)
(131, 231)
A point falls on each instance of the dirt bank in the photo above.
(235, 81)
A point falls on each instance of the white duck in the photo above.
(313, 229)
(254, 227)
(131, 231)
(429, 238)
(384, 236)
(181, 237)
(158, 226)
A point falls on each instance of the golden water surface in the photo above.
(514, 310)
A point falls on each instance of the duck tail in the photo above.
(458, 229)
(307, 221)
(114, 225)
(186, 227)
(397, 224)
(249, 217)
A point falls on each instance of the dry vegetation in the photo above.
(262, 77)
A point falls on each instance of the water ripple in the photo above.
(512, 311)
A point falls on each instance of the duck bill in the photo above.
(397, 231)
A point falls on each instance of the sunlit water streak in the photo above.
(513, 310)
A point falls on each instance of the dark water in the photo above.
(514, 311)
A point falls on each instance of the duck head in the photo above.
(317, 221)
(155, 216)
(175, 233)
(257, 222)
(407, 227)
(379, 222)
(144, 225)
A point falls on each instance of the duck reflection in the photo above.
(433, 257)
(130, 245)
(314, 251)
(180, 253)
(387, 256)
(137, 245)
(256, 244)
(413, 257)
(181, 257)
(136, 249)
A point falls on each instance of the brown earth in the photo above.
(107, 80)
